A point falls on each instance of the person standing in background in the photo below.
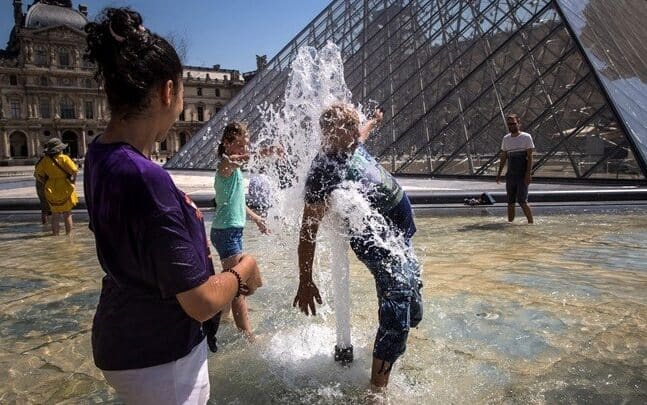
(516, 150)
(57, 172)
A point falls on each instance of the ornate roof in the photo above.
(43, 15)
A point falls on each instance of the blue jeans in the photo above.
(397, 282)
(228, 242)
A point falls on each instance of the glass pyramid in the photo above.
(448, 71)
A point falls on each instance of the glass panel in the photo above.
(614, 37)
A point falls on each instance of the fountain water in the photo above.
(340, 280)
(317, 81)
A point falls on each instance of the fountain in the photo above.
(562, 321)
(316, 81)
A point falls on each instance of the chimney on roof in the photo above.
(17, 13)
(83, 9)
(261, 62)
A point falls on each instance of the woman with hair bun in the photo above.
(159, 295)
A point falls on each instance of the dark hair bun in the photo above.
(130, 60)
(125, 23)
(108, 35)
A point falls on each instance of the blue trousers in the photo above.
(397, 281)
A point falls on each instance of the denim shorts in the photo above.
(228, 242)
(398, 285)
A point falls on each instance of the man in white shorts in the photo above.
(516, 149)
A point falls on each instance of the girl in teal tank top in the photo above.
(231, 210)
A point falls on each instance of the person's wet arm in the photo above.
(308, 291)
(258, 220)
(206, 300)
(366, 129)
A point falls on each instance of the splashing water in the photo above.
(316, 81)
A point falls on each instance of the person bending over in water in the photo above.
(397, 277)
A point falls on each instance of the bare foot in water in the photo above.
(249, 336)
(376, 396)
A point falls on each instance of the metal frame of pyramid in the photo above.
(448, 71)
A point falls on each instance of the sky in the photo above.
(229, 33)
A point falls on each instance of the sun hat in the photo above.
(54, 145)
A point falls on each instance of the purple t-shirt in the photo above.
(152, 245)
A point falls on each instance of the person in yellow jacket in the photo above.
(58, 173)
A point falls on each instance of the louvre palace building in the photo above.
(48, 90)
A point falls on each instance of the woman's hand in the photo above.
(306, 296)
(249, 273)
(204, 301)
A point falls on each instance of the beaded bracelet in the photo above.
(240, 280)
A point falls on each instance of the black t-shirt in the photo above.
(378, 186)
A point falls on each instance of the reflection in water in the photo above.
(554, 312)
(492, 226)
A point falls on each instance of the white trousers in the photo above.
(183, 381)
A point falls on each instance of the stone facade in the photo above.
(47, 89)
(206, 91)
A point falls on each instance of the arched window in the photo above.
(43, 81)
(64, 57)
(182, 116)
(89, 83)
(13, 80)
(200, 113)
(217, 92)
(67, 108)
(40, 57)
(18, 145)
(163, 146)
(183, 138)
(199, 90)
